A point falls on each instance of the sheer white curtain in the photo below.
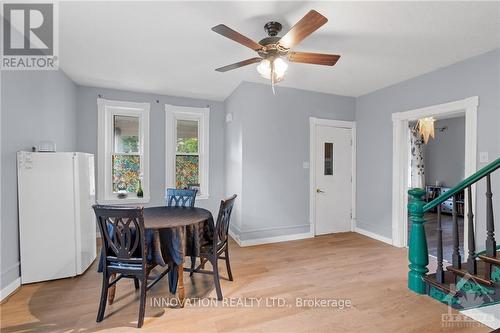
(417, 160)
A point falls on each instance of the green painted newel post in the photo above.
(417, 254)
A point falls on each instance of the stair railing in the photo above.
(418, 251)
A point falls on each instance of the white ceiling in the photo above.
(168, 47)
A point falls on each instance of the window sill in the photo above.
(125, 201)
(202, 197)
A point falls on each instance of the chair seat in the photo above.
(138, 267)
(125, 266)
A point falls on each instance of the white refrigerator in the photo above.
(57, 226)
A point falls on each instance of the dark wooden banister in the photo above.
(484, 251)
(418, 251)
(463, 184)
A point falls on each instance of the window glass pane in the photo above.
(126, 134)
(187, 136)
(186, 171)
(126, 173)
(328, 158)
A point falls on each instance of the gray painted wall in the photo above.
(274, 144)
(36, 105)
(265, 144)
(477, 76)
(86, 135)
(445, 154)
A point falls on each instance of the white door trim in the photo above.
(467, 107)
(313, 123)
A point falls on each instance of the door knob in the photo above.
(319, 191)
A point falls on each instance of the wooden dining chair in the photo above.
(181, 198)
(125, 252)
(213, 251)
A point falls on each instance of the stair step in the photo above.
(491, 260)
(449, 279)
(478, 278)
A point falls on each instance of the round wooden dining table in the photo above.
(178, 232)
(171, 217)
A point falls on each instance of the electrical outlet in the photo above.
(483, 157)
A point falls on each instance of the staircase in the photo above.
(472, 279)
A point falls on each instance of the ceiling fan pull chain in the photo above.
(272, 77)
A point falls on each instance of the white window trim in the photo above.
(104, 142)
(173, 113)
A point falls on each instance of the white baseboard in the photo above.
(276, 239)
(373, 235)
(9, 289)
(234, 237)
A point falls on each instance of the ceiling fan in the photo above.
(273, 49)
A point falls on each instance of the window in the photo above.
(187, 148)
(328, 159)
(123, 150)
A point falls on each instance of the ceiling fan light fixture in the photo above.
(265, 68)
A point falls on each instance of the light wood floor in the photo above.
(343, 266)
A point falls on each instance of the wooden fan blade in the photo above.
(313, 58)
(306, 26)
(236, 36)
(238, 64)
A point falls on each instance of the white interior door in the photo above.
(333, 171)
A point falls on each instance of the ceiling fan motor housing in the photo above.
(273, 28)
(272, 49)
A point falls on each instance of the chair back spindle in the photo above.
(181, 198)
(122, 230)
(223, 219)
